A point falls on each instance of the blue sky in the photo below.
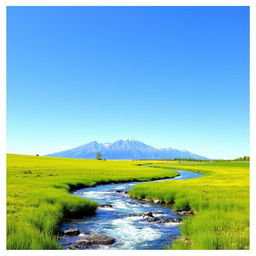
(167, 76)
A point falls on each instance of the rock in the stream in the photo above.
(153, 219)
(147, 214)
(185, 213)
(136, 203)
(176, 220)
(121, 191)
(72, 232)
(74, 247)
(163, 220)
(105, 206)
(135, 215)
(157, 201)
(133, 203)
(83, 233)
(157, 213)
(96, 239)
(170, 221)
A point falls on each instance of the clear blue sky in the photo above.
(167, 76)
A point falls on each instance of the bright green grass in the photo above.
(38, 193)
(220, 198)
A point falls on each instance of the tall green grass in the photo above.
(220, 199)
(38, 194)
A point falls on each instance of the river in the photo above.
(130, 232)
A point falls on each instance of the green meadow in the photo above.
(38, 198)
(38, 193)
(220, 199)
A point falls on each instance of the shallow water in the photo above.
(129, 232)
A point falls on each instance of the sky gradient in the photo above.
(167, 76)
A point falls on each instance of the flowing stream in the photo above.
(130, 232)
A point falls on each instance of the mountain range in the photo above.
(125, 149)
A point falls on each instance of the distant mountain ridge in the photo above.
(125, 149)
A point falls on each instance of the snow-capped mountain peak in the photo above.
(128, 148)
(129, 139)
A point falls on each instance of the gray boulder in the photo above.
(96, 239)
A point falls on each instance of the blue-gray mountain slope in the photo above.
(125, 149)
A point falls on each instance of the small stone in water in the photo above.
(72, 232)
(73, 247)
(105, 206)
(153, 219)
(157, 201)
(119, 191)
(149, 214)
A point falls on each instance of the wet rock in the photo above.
(71, 232)
(157, 201)
(135, 215)
(185, 213)
(153, 219)
(136, 203)
(105, 206)
(175, 220)
(121, 191)
(157, 213)
(133, 203)
(84, 233)
(147, 214)
(163, 220)
(96, 239)
(170, 221)
(74, 247)
(170, 203)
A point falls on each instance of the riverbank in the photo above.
(220, 198)
(38, 193)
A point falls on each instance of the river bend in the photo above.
(130, 232)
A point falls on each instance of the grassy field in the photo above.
(220, 199)
(38, 198)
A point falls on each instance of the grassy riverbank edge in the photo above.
(221, 204)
